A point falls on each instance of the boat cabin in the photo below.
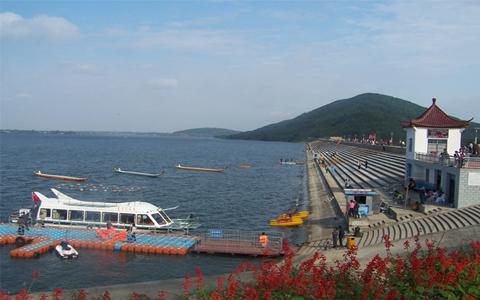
(66, 211)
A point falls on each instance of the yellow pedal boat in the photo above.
(301, 214)
(286, 222)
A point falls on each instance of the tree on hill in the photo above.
(357, 116)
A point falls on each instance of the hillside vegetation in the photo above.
(358, 116)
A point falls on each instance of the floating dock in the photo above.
(237, 242)
(39, 240)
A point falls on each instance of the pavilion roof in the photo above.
(434, 117)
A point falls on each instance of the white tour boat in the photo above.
(66, 211)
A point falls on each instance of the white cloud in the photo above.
(52, 28)
(438, 34)
(163, 83)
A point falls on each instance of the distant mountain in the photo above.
(358, 116)
(207, 132)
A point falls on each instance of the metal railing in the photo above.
(239, 239)
(450, 161)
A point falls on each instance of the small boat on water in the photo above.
(180, 167)
(120, 171)
(246, 166)
(301, 214)
(286, 222)
(66, 251)
(60, 177)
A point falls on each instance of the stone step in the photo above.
(375, 237)
(370, 175)
(364, 238)
(403, 231)
(434, 224)
(425, 226)
(440, 223)
(375, 165)
(391, 232)
(447, 222)
(475, 209)
(392, 164)
(459, 221)
(468, 216)
(387, 171)
(473, 212)
(415, 228)
(386, 168)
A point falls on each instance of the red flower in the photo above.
(162, 295)
(23, 295)
(198, 278)
(56, 294)
(106, 296)
(186, 285)
(220, 283)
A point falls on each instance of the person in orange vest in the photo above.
(263, 240)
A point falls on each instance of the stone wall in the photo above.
(469, 187)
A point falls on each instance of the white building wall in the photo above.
(454, 140)
(420, 140)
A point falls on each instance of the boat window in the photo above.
(164, 215)
(110, 217)
(59, 214)
(159, 219)
(76, 215)
(144, 220)
(127, 218)
(45, 213)
(92, 216)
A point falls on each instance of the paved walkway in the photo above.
(322, 217)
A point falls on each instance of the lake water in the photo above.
(237, 199)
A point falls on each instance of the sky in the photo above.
(162, 66)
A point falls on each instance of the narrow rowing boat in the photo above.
(120, 171)
(246, 166)
(180, 167)
(60, 177)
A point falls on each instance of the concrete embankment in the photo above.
(321, 183)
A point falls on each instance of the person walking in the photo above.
(359, 165)
(366, 164)
(355, 210)
(334, 237)
(341, 235)
(351, 207)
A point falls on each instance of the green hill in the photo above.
(206, 132)
(361, 115)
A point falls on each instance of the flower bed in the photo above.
(422, 272)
